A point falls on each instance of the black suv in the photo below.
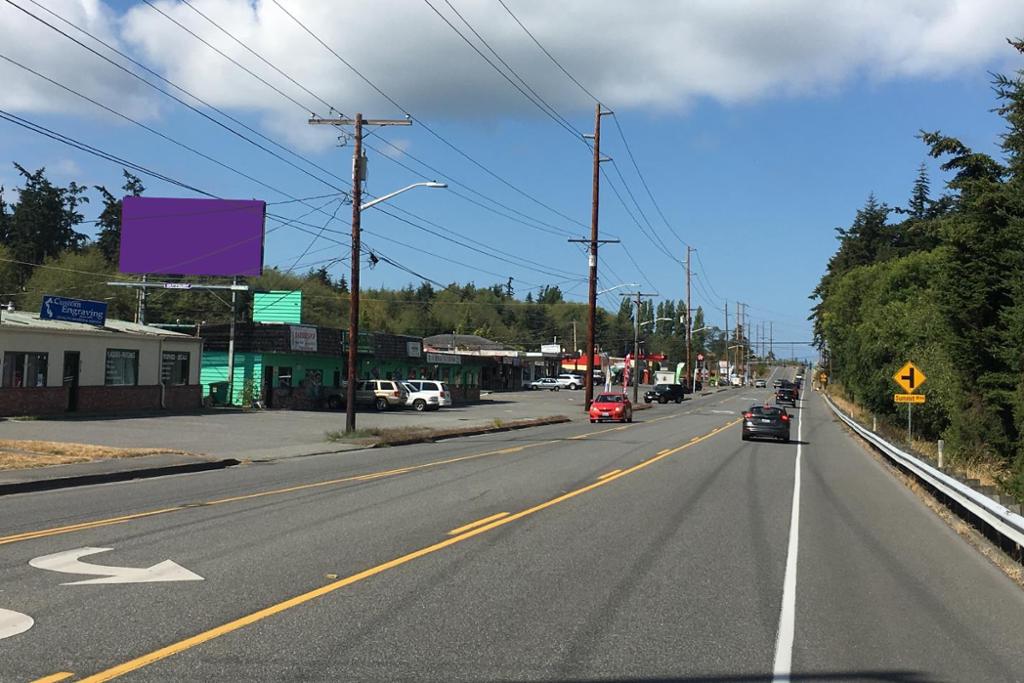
(663, 393)
(786, 395)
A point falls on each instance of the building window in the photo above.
(122, 367)
(284, 377)
(174, 369)
(24, 369)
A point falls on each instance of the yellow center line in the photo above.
(53, 678)
(608, 474)
(55, 531)
(479, 522)
(260, 615)
(663, 452)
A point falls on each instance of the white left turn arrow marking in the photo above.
(69, 563)
(12, 623)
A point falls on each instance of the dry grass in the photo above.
(16, 454)
(989, 474)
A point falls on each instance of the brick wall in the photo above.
(112, 399)
(184, 398)
(33, 401)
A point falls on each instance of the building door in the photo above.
(70, 377)
(268, 385)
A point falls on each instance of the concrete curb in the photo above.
(110, 477)
(491, 429)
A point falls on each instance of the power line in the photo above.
(486, 250)
(333, 108)
(423, 124)
(177, 87)
(532, 96)
(549, 55)
(147, 128)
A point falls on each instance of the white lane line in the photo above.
(787, 616)
(12, 623)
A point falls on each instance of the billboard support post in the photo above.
(231, 343)
(140, 314)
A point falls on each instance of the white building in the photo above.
(51, 367)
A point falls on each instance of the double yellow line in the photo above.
(462, 534)
(94, 524)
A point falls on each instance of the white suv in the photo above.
(570, 381)
(434, 388)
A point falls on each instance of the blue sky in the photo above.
(753, 153)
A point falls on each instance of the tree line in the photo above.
(45, 249)
(940, 282)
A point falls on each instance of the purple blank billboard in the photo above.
(169, 236)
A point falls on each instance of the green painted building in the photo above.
(282, 366)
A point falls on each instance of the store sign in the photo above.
(550, 348)
(444, 359)
(303, 338)
(413, 349)
(73, 310)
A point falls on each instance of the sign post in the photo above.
(910, 378)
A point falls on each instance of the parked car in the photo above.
(570, 381)
(663, 393)
(767, 421)
(436, 388)
(549, 383)
(420, 400)
(615, 407)
(381, 393)
(737, 381)
(785, 395)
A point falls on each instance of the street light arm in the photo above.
(389, 195)
(625, 284)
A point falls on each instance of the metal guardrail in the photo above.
(1000, 518)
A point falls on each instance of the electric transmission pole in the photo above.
(689, 321)
(636, 343)
(592, 258)
(358, 176)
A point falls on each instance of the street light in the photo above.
(655, 320)
(378, 200)
(625, 284)
(353, 313)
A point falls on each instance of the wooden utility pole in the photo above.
(725, 351)
(358, 176)
(636, 344)
(689, 322)
(592, 257)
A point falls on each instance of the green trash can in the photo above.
(219, 393)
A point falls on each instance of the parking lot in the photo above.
(274, 433)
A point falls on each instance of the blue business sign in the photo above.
(73, 310)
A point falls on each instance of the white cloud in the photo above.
(66, 169)
(40, 48)
(658, 54)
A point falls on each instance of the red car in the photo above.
(611, 407)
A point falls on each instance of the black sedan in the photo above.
(663, 393)
(766, 421)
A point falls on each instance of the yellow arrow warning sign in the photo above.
(909, 377)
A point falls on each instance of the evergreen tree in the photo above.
(109, 237)
(41, 224)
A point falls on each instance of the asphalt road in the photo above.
(224, 434)
(662, 550)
